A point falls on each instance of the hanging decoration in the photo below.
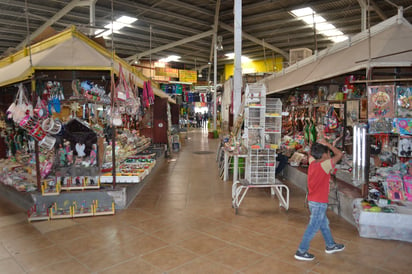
(403, 102)
(381, 100)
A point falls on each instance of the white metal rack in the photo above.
(255, 102)
(261, 166)
(240, 189)
(273, 123)
(262, 134)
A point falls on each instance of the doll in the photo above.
(93, 155)
(62, 156)
(80, 150)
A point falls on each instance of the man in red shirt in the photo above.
(320, 166)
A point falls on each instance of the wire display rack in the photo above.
(261, 166)
(273, 122)
(263, 124)
(260, 173)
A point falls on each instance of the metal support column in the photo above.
(237, 77)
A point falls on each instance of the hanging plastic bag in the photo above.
(21, 107)
(116, 117)
(122, 88)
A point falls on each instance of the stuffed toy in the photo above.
(405, 147)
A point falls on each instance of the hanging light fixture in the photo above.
(200, 74)
(219, 45)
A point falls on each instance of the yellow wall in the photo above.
(271, 65)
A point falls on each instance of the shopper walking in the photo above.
(204, 118)
(198, 120)
(320, 166)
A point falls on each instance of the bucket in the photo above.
(52, 126)
(47, 142)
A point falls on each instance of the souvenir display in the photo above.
(403, 102)
(380, 101)
(70, 136)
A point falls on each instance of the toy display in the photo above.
(50, 187)
(38, 213)
(63, 212)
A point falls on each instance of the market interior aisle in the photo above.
(182, 222)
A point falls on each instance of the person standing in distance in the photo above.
(320, 166)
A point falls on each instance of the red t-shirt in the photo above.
(318, 180)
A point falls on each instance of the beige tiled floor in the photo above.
(182, 222)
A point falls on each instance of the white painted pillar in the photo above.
(215, 81)
(237, 76)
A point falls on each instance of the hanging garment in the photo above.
(145, 102)
(209, 97)
(179, 89)
(190, 97)
(196, 97)
(150, 93)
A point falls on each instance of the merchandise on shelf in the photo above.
(133, 169)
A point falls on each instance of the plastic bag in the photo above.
(21, 107)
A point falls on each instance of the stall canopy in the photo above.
(390, 46)
(68, 50)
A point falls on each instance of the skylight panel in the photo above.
(126, 20)
(322, 26)
(120, 23)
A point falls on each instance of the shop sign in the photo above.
(187, 76)
(168, 72)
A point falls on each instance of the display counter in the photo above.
(380, 225)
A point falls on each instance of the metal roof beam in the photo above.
(256, 40)
(161, 23)
(164, 13)
(52, 20)
(171, 45)
(190, 7)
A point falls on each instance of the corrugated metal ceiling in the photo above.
(170, 21)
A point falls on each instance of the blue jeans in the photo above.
(318, 221)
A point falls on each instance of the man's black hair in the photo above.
(318, 150)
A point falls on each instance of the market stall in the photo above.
(75, 108)
(362, 105)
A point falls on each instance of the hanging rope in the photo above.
(113, 95)
(28, 42)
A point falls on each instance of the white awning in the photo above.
(69, 50)
(390, 43)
